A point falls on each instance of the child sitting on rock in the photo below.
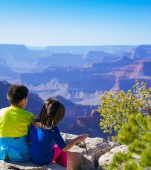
(14, 125)
(47, 144)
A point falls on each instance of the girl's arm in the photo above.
(74, 141)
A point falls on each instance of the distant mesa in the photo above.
(142, 51)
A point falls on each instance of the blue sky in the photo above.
(75, 22)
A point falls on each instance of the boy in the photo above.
(14, 123)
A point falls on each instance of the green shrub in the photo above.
(129, 115)
(116, 108)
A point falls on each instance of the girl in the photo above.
(47, 144)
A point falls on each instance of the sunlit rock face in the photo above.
(87, 156)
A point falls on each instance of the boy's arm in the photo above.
(28, 135)
(33, 117)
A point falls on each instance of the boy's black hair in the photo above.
(16, 93)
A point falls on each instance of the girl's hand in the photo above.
(75, 141)
(83, 137)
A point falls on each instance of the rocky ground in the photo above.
(28, 166)
(95, 156)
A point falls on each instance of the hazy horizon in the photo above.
(78, 45)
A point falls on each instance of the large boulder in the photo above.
(87, 159)
(106, 159)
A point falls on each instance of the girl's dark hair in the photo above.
(52, 112)
(16, 93)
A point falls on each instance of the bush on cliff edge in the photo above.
(128, 114)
